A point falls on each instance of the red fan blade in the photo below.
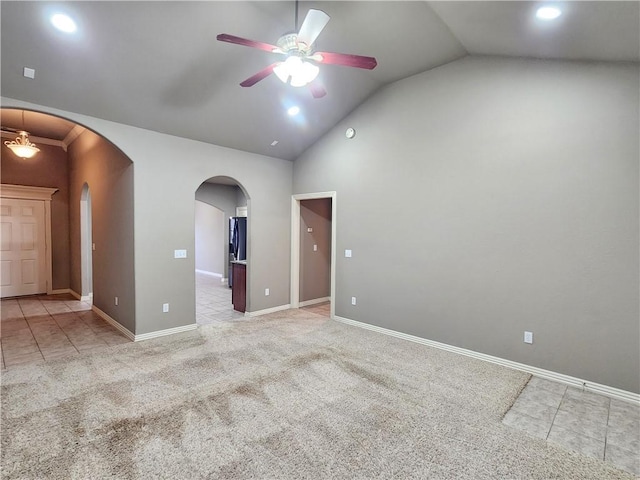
(261, 75)
(345, 59)
(224, 37)
(317, 90)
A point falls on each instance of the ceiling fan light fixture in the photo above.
(296, 72)
(21, 146)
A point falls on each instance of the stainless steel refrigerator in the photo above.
(237, 241)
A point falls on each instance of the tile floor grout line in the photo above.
(606, 432)
(553, 420)
(24, 316)
(65, 334)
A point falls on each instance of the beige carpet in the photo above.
(288, 395)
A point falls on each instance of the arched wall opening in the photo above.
(86, 244)
(222, 217)
(73, 157)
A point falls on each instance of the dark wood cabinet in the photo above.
(239, 286)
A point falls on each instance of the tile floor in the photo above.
(591, 424)
(45, 327)
(213, 301)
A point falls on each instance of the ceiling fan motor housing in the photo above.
(289, 45)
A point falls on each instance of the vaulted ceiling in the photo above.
(157, 65)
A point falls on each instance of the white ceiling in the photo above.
(157, 65)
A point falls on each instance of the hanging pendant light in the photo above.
(21, 146)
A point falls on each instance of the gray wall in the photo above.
(489, 197)
(168, 171)
(315, 265)
(48, 168)
(226, 198)
(109, 175)
(210, 240)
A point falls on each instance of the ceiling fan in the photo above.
(299, 67)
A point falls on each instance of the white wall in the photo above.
(492, 196)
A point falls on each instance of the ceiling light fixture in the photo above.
(548, 13)
(63, 22)
(293, 111)
(21, 146)
(296, 72)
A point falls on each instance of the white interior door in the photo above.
(23, 267)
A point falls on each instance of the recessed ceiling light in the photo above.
(293, 110)
(548, 13)
(274, 143)
(63, 22)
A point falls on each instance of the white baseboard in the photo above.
(210, 274)
(257, 313)
(82, 298)
(306, 303)
(162, 333)
(539, 372)
(126, 332)
(144, 336)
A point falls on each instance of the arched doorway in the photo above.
(86, 245)
(91, 211)
(220, 202)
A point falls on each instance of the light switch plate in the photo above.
(179, 254)
(347, 253)
(528, 337)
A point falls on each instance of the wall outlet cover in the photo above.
(528, 337)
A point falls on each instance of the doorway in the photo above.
(86, 245)
(25, 260)
(306, 246)
(217, 200)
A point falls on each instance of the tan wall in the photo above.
(109, 175)
(48, 168)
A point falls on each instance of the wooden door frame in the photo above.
(295, 245)
(42, 194)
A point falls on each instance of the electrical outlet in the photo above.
(165, 307)
(266, 292)
(353, 300)
(179, 254)
(315, 248)
(115, 301)
(528, 337)
(347, 253)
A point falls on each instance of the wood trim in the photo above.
(25, 192)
